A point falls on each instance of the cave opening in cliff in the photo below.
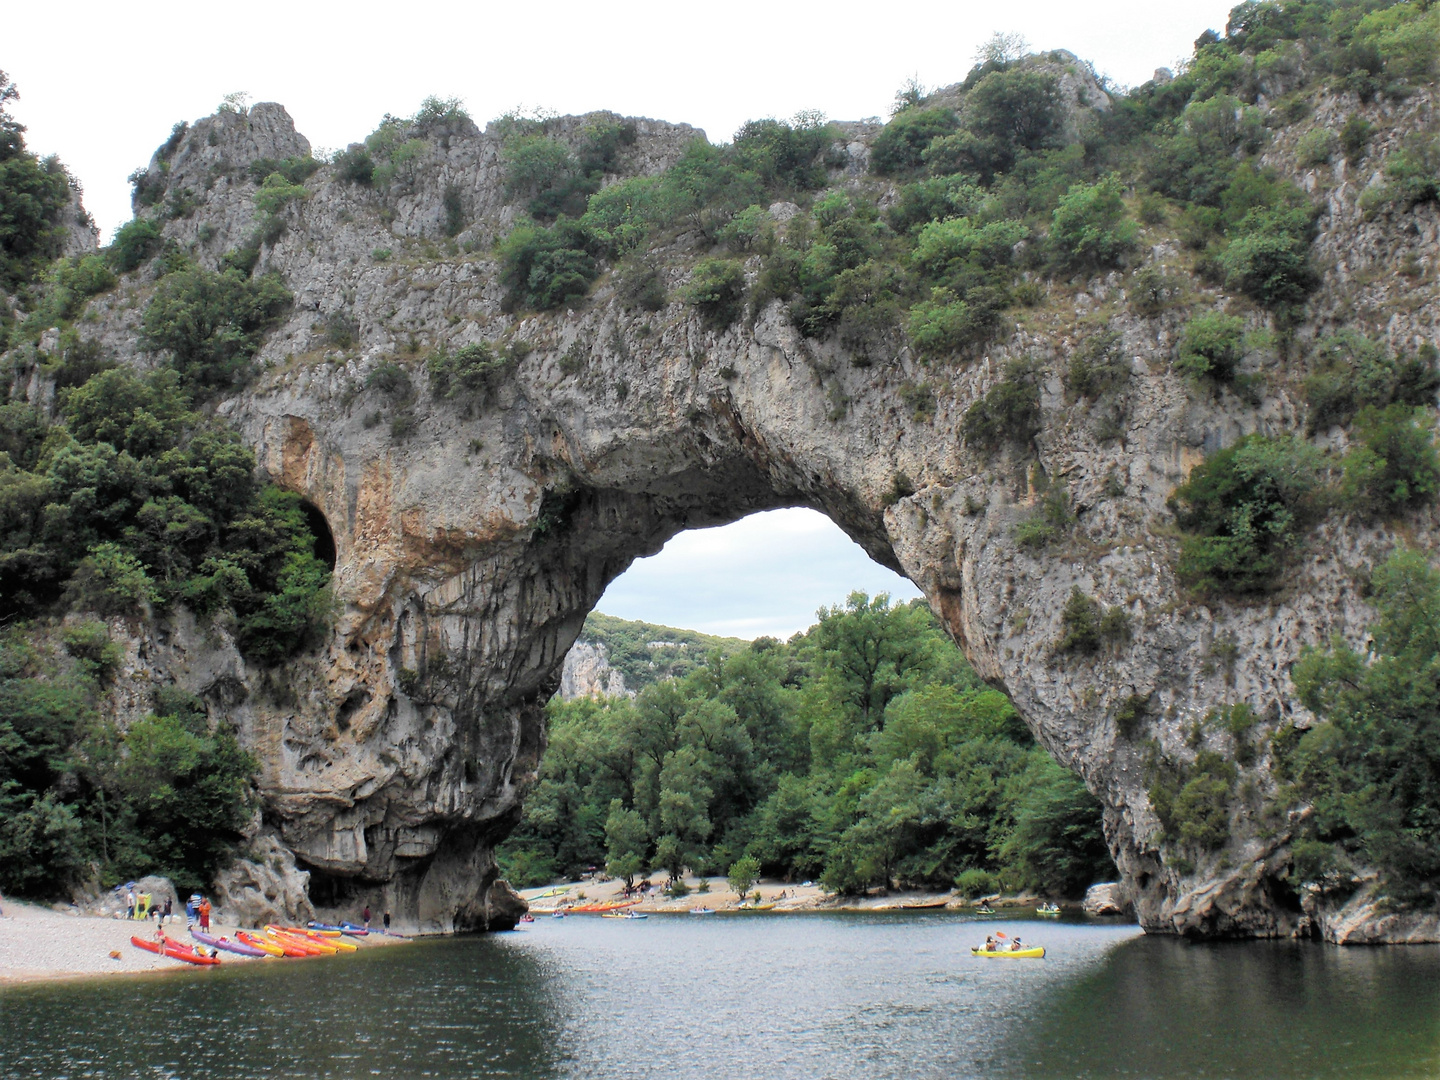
(324, 549)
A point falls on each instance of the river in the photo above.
(739, 997)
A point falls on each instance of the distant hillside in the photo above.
(647, 652)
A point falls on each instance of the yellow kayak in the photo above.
(1037, 953)
(317, 938)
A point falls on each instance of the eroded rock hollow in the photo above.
(472, 534)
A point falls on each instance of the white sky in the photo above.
(764, 574)
(103, 83)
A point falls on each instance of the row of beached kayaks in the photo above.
(313, 939)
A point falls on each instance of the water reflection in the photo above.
(471, 1007)
(879, 996)
(1164, 1007)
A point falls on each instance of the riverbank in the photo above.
(784, 898)
(40, 944)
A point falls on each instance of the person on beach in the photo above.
(129, 903)
(205, 915)
(367, 916)
(387, 922)
(166, 911)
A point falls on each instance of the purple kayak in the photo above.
(229, 946)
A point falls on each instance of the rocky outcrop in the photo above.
(587, 673)
(111, 903)
(1110, 898)
(264, 886)
(473, 539)
(1366, 918)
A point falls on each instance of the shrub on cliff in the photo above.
(944, 325)
(1245, 508)
(134, 242)
(1008, 413)
(1393, 465)
(1268, 258)
(1090, 229)
(1211, 347)
(900, 146)
(1099, 366)
(1352, 372)
(1193, 802)
(212, 323)
(717, 290)
(545, 268)
(468, 370)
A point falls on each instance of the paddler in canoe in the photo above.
(998, 945)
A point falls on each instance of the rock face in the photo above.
(473, 539)
(264, 886)
(1111, 898)
(587, 673)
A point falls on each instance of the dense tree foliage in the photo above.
(1371, 769)
(132, 499)
(864, 752)
(81, 800)
(33, 196)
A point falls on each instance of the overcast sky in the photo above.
(103, 83)
(764, 575)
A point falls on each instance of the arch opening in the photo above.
(752, 679)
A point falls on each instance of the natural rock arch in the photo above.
(472, 539)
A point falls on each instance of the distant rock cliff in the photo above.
(473, 538)
(587, 673)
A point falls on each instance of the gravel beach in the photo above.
(39, 943)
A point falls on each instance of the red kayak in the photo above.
(174, 950)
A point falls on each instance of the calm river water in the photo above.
(843, 996)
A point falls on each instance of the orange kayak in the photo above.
(288, 943)
(174, 950)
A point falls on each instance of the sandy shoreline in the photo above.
(784, 897)
(39, 944)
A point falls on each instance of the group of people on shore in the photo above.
(141, 906)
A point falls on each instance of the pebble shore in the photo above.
(38, 943)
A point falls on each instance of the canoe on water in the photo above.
(238, 947)
(255, 941)
(1036, 953)
(1047, 911)
(622, 915)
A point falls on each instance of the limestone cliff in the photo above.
(472, 539)
(587, 673)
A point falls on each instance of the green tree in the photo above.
(743, 873)
(1090, 229)
(1370, 769)
(33, 196)
(626, 841)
